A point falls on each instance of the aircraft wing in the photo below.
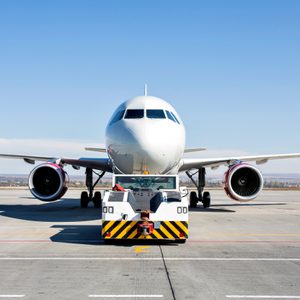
(93, 163)
(214, 163)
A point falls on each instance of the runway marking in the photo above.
(245, 241)
(126, 296)
(56, 241)
(152, 258)
(189, 241)
(12, 296)
(255, 234)
(261, 297)
(141, 249)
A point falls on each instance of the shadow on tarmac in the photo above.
(214, 207)
(91, 235)
(64, 210)
(211, 209)
(248, 204)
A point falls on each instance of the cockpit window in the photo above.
(175, 118)
(119, 115)
(170, 116)
(155, 114)
(134, 114)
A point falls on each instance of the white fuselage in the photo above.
(145, 135)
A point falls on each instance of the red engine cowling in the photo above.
(243, 182)
(48, 182)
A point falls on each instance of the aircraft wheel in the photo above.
(84, 200)
(193, 199)
(97, 199)
(206, 200)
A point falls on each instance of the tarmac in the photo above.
(235, 251)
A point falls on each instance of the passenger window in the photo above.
(175, 118)
(170, 116)
(119, 115)
(134, 114)
(155, 114)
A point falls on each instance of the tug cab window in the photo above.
(147, 182)
(118, 116)
(155, 114)
(134, 114)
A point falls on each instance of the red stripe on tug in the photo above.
(118, 188)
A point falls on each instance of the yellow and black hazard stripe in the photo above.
(168, 230)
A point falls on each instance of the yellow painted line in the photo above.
(182, 227)
(141, 249)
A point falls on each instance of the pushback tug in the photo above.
(145, 207)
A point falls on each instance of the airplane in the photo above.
(146, 135)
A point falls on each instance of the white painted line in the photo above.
(152, 258)
(261, 297)
(126, 296)
(12, 296)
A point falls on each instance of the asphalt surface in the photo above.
(235, 251)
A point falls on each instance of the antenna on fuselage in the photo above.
(145, 90)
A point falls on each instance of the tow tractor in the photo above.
(145, 207)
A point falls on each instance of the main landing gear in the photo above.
(89, 196)
(199, 196)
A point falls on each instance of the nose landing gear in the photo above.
(203, 197)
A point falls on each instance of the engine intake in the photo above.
(243, 182)
(48, 182)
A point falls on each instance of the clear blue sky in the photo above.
(230, 68)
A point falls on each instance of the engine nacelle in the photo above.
(48, 182)
(243, 182)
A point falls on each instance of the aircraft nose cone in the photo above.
(146, 147)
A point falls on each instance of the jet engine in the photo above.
(243, 182)
(48, 182)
